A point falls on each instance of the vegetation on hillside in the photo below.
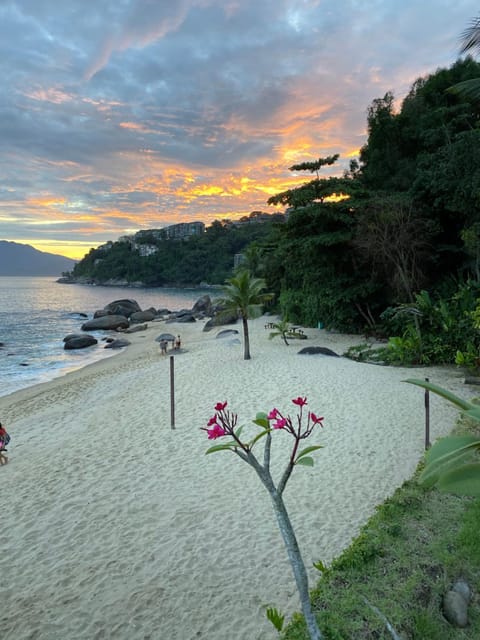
(206, 258)
(391, 248)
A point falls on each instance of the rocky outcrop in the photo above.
(106, 322)
(323, 351)
(135, 329)
(142, 316)
(122, 307)
(185, 317)
(455, 604)
(118, 343)
(220, 319)
(78, 341)
(203, 306)
(227, 333)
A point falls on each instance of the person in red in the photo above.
(4, 440)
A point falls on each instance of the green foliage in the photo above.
(244, 295)
(469, 359)
(206, 258)
(276, 618)
(434, 330)
(451, 463)
(281, 328)
(414, 545)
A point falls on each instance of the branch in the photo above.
(286, 475)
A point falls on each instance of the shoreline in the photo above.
(119, 526)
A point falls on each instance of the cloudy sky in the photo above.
(119, 115)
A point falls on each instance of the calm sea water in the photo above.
(37, 313)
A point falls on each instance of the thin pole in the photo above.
(172, 393)
(427, 417)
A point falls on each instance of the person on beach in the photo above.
(178, 342)
(163, 347)
(4, 440)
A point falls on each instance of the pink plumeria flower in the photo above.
(273, 414)
(216, 432)
(301, 402)
(315, 419)
(280, 423)
(220, 406)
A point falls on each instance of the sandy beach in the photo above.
(114, 525)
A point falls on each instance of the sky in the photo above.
(121, 115)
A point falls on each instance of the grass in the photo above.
(409, 553)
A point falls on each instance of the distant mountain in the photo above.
(23, 260)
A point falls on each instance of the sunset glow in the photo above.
(146, 114)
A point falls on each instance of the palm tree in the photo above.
(243, 295)
(470, 39)
(282, 328)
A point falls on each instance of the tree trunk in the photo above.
(246, 339)
(297, 564)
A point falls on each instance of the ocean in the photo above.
(37, 313)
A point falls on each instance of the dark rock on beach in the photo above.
(78, 341)
(323, 351)
(227, 333)
(123, 307)
(135, 329)
(203, 306)
(221, 319)
(118, 343)
(106, 322)
(142, 316)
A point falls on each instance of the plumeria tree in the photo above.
(223, 424)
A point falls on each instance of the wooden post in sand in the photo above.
(427, 417)
(172, 393)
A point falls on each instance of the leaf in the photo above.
(304, 452)
(320, 566)
(222, 447)
(307, 462)
(261, 420)
(257, 437)
(464, 481)
(451, 397)
(238, 432)
(445, 454)
(473, 413)
(276, 618)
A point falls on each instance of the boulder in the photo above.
(74, 341)
(122, 307)
(163, 312)
(135, 329)
(455, 609)
(203, 306)
(182, 316)
(183, 312)
(142, 316)
(226, 333)
(225, 317)
(187, 317)
(118, 343)
(323, 351)
(106, 322)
